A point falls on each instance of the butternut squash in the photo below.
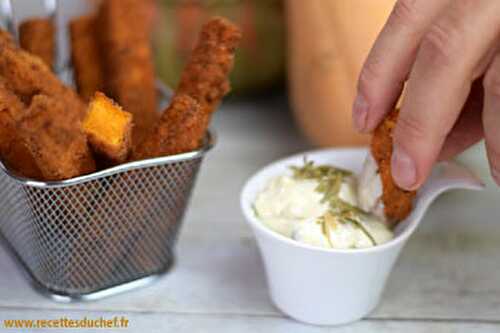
(328, 43)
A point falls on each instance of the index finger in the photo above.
(390, 60)
(439, 85)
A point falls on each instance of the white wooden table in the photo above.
(447, 279)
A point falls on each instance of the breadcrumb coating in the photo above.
(85, 56)
(55, 139)
(398, 203)
(206, 75)
(6, 39)
(128, 64)
(181, 129)
(13, 151)
(27, 75)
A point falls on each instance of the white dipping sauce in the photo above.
(295, 208)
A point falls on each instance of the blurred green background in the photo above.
(260, 62)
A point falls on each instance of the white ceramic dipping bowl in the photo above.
(327, 286)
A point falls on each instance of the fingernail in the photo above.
(403, 169)
(360, 113)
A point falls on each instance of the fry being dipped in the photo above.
(108, 128)
(377, 189)
(55, 139)
(37, 36)
(206, 75)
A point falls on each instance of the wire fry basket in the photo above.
(102, 233)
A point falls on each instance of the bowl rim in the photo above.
(209, 143)
(259, 226)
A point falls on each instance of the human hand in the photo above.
(448, 52)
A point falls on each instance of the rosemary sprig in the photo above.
(363, 229)
(327, 223)
(311, 171)
(330, 181)
(329, 178)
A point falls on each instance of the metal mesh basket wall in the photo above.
(99, 232)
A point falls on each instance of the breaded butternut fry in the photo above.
(108, 128)
(13, 152)
(27, 75)
(6, 39)
(37, 36)
(398, 203)
(128, 62)
(181, 129)
(55, 139)
(205, 76)
(85, 56)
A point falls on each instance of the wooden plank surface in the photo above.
(182, 323)
(446, 279)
